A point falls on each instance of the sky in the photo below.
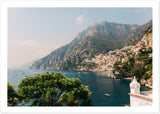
(35, 32)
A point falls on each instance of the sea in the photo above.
(105, 91)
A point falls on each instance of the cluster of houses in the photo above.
(106, 61)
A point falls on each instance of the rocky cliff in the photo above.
(146, 40)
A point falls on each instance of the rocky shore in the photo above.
(146, 83)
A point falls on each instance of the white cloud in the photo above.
(80, 19)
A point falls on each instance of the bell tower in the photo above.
(134, 87)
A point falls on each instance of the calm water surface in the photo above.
(98, 84)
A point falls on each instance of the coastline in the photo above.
(144, 83)
(96, 82)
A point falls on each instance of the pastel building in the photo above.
(138, 98)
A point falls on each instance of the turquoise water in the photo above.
(97, 82)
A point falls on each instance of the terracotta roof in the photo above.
(140, 96)
(137, 47)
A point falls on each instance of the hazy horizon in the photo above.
(35, 32)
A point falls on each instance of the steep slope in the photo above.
(146, 40)
(137, 62)
(99, 38)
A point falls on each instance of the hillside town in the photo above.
(106, 61)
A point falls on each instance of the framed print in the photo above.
(79, 56)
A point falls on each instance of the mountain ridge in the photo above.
(99, 38)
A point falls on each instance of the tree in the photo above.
(12, 95)
(150, 49)
(54, 89)
(139, 73)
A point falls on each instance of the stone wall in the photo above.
(138, 101)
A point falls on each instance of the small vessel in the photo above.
(107, 94)
(86, 86)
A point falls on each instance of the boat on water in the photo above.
(86, 86)
(107, 94)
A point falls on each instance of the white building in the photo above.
(138, 98)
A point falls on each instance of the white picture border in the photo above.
(79, 3)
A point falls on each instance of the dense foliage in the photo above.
(139, 65)
(12, 95)
(53, 89)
